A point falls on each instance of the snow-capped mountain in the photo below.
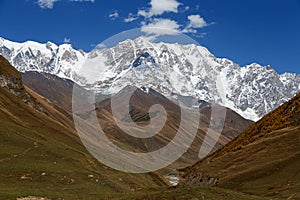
(172, 69)
(61, 60)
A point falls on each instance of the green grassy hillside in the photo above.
(41, 155)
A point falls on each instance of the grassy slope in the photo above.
(191, 193)
(6, 69)
(263, 160)
(32, 144)
(41, 155)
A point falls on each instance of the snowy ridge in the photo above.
(188, 70)
(60, 60)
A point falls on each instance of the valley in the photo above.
(42, 154)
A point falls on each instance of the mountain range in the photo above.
(171, 69)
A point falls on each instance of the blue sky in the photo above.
(262, 31)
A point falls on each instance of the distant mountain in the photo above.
(41, 154)
(187, 70)
(263, 160)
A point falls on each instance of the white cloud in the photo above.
(67, 40)
(142, 13)
(131, 17)
(158, 7)
(161, 27)
(166, 26)
(48, 4)
(195, 22)
(114, 15)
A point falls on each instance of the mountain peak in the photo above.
(51, 45)
(65, 46)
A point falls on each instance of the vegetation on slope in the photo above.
(264, 160)
(6, 69)
(286, 115)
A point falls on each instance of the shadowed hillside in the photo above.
(57, 90)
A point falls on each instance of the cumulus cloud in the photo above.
(195, 22)
(49, 4)
(114, 15)
(152, 24)
(158, 7)
(159, 26)
(131, 17)
(162, 26)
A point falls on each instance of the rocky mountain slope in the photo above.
(11, 80)
(171, 69)
(264, 160)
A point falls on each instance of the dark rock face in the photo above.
(142, 58)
